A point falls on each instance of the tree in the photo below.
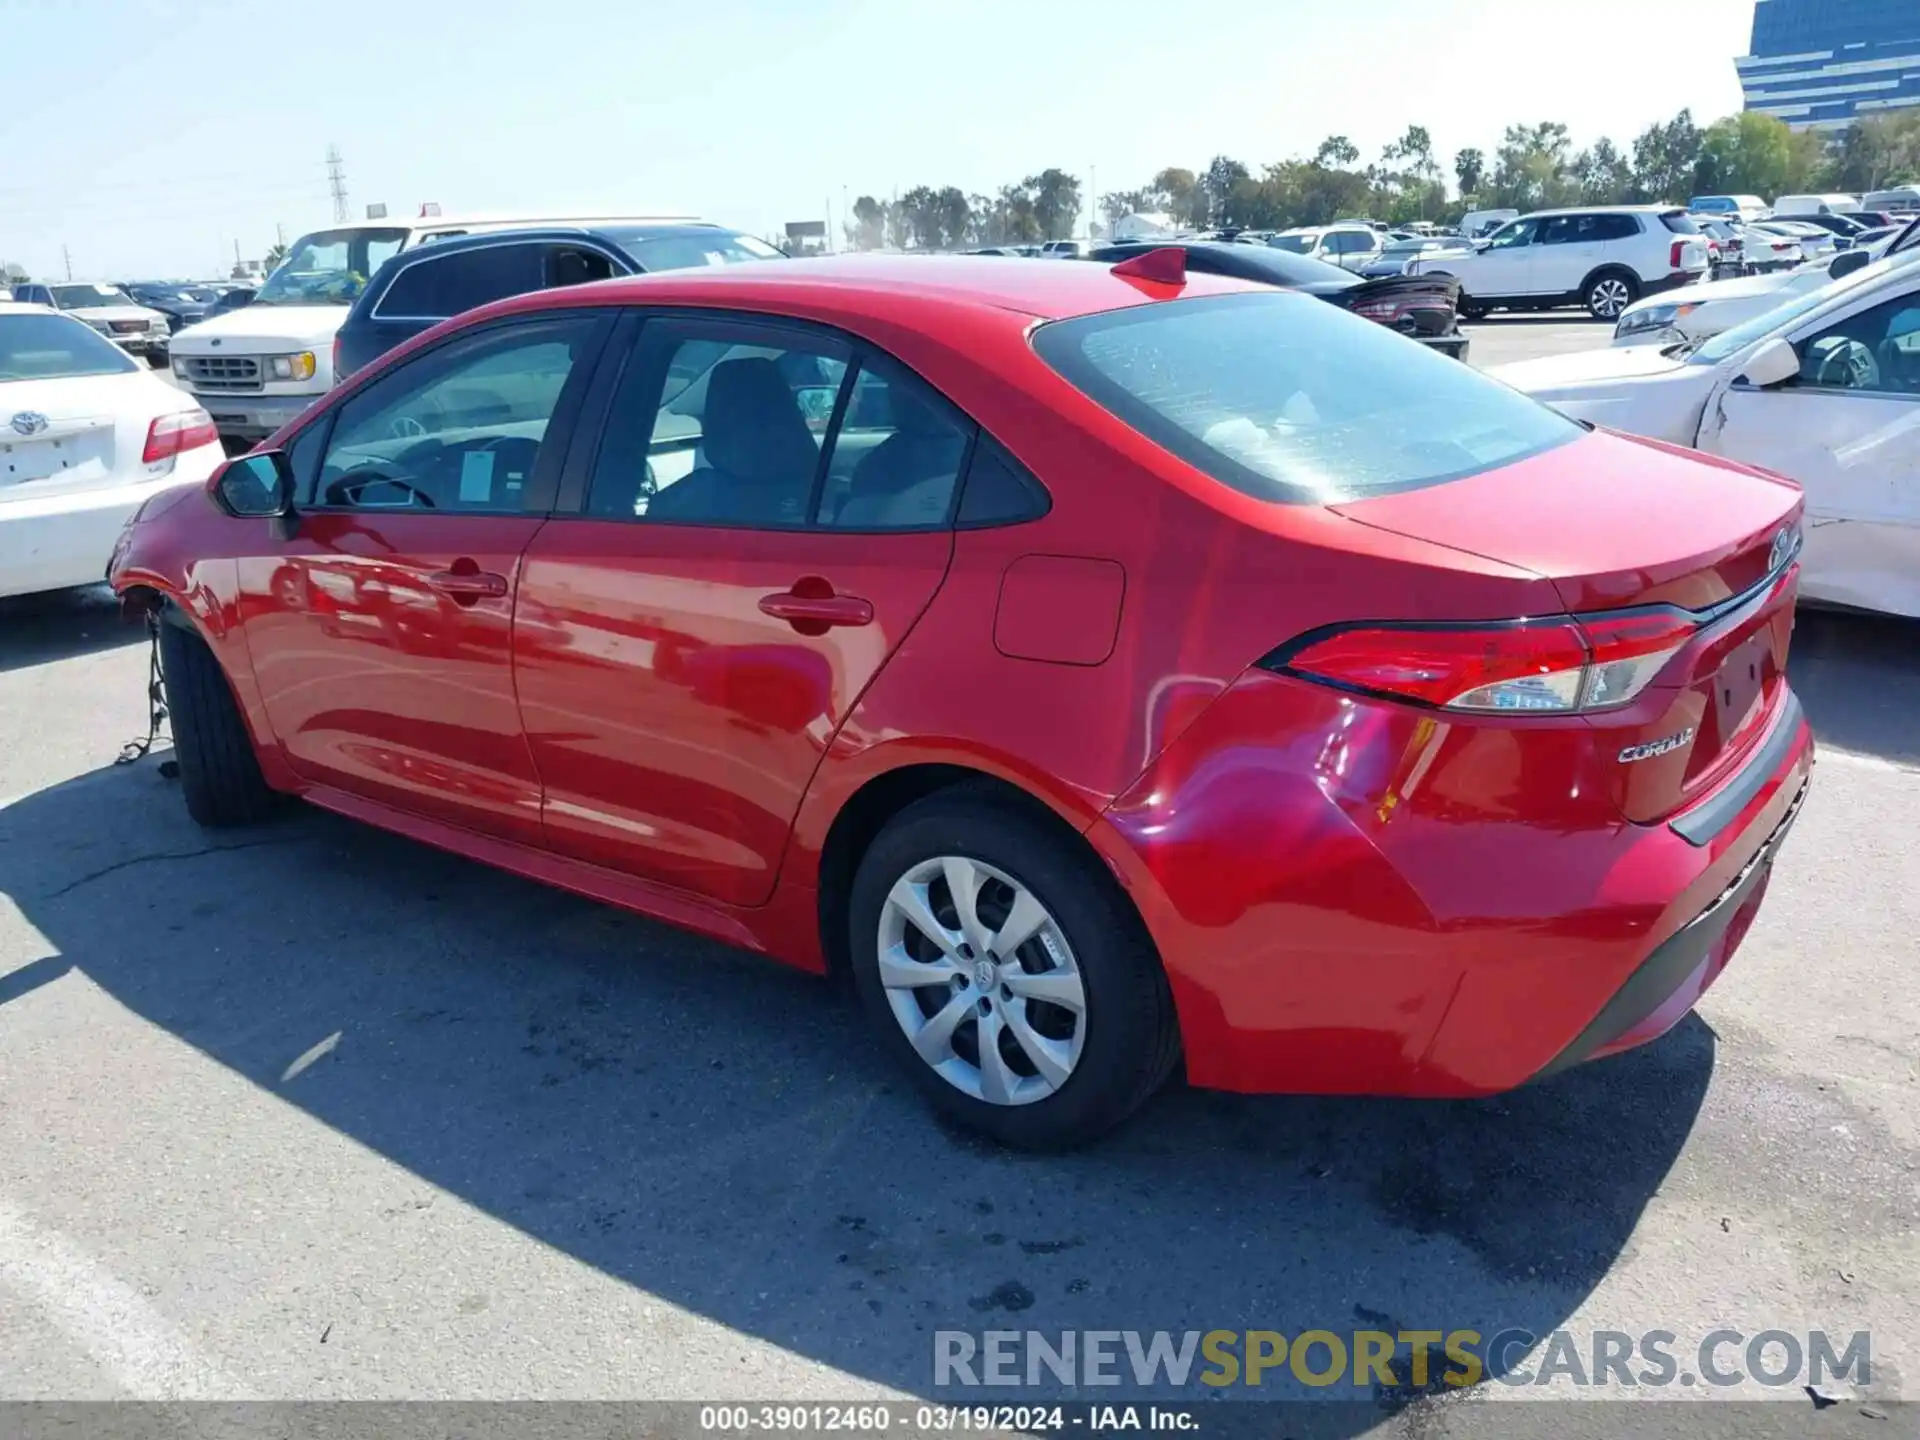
(13, 274)
(867, 231)
(275, 254)
(1754, 153)
(1186, 203)
(1410, 190)
(1056, 203)
(1470, 169)
(955, 215)
(919, 218)
(1530, 167)
(1336, 152)
(1016, 222)
(1665, 157)
(1116, 205)
(899, 226)
(1602, 174)
(1217, 186)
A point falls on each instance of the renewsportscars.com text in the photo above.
(1396, 1359)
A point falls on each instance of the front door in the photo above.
(381, 633)
(1505, 267)
(1848, 429)
(767, 516)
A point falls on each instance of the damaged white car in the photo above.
(1824, 388)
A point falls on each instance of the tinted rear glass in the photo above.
(48, 347)
(446, 284)
(1289, 399)
(1679, 223)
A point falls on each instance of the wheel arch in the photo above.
(1612, 267)
(869, 808)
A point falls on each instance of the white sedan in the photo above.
(87, 436)
(1824, 388)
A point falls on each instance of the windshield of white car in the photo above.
(38, 346)
(330, 267)
(81, 297)
(1288, 399)
(1735, 339)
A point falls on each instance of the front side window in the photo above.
(51, 347)
(458, 429)
(1876, 351)
(330, 267)
(436, 286)
(773, 429)
(1289, 399)
(1517, 232)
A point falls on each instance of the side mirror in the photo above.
(1846, 262)
(1774, 363)
(257, 484)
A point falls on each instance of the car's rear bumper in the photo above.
(149, 343)
(1455, 345)
(59, 541)
(1347, 902)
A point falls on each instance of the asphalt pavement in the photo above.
(308, 1111)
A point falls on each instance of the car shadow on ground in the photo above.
(58, 625)
(718, 1131)
(1859, 677)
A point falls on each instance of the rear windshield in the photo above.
(690, 249)
(1290, 399)
(52, 347)
(1679, 223)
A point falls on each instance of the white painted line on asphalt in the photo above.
(104, 1316)
(1865, 762)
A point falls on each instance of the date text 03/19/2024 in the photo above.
(880, 1417)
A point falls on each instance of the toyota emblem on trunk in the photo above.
(1782, 550)
(28, 422)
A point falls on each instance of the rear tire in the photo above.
(1470, 309)
(1610, 292)
(219, 772)
(1102, 1061)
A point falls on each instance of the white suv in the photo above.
(1604, 257)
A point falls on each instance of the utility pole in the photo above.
(67, 256)
(238, 268)
(337, 182)
(280, 234)
(1093, 200)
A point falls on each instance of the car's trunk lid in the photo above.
(1622, 524)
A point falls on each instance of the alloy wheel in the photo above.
(982, 980)
(1609, 297)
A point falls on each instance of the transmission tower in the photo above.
(337, 182)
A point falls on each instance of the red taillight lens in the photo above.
(1388, 309)
(171, 434)
(1555, 666)
(338, 376)
(1678, 249)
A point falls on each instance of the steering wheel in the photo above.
(1849, 366)
(405, 427)
(344, 486)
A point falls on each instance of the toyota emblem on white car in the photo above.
(28, 422)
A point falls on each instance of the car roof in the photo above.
(613, 234)
(31, 307)
(1659, 209)
(887, 287)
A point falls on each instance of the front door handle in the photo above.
(811, 612)
(466, 586)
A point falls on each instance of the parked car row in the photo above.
(703, 592)
(1817, 379)
(141, 317)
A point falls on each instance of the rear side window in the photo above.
(1679, 222)
(1289, 399)
(999, 490)
(434, 288)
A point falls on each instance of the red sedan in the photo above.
(1103, 666)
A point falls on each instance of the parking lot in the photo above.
(308, 1110)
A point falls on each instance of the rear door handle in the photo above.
(804, 612)
(468, 585)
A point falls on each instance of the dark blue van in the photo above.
(421, 286)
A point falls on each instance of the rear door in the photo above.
(1849, 431)
(764, 515)
(380, 633)
(1567, 249)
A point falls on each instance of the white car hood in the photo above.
(102, 314)
(1705, 292)
(1633, 388)
(258, 329)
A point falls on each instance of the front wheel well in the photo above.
(874, 804)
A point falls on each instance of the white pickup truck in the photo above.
(255, 368)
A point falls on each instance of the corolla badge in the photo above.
(1782, 548)
(1652, 748)
(28, 422)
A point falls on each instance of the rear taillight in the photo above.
(1552, 666)
(171, 434)
(1678, 249)
(338, 374)
(1389, 308)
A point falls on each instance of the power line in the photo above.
(337, 182)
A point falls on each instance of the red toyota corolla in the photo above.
(1101, 665)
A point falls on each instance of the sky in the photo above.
(144, 139)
